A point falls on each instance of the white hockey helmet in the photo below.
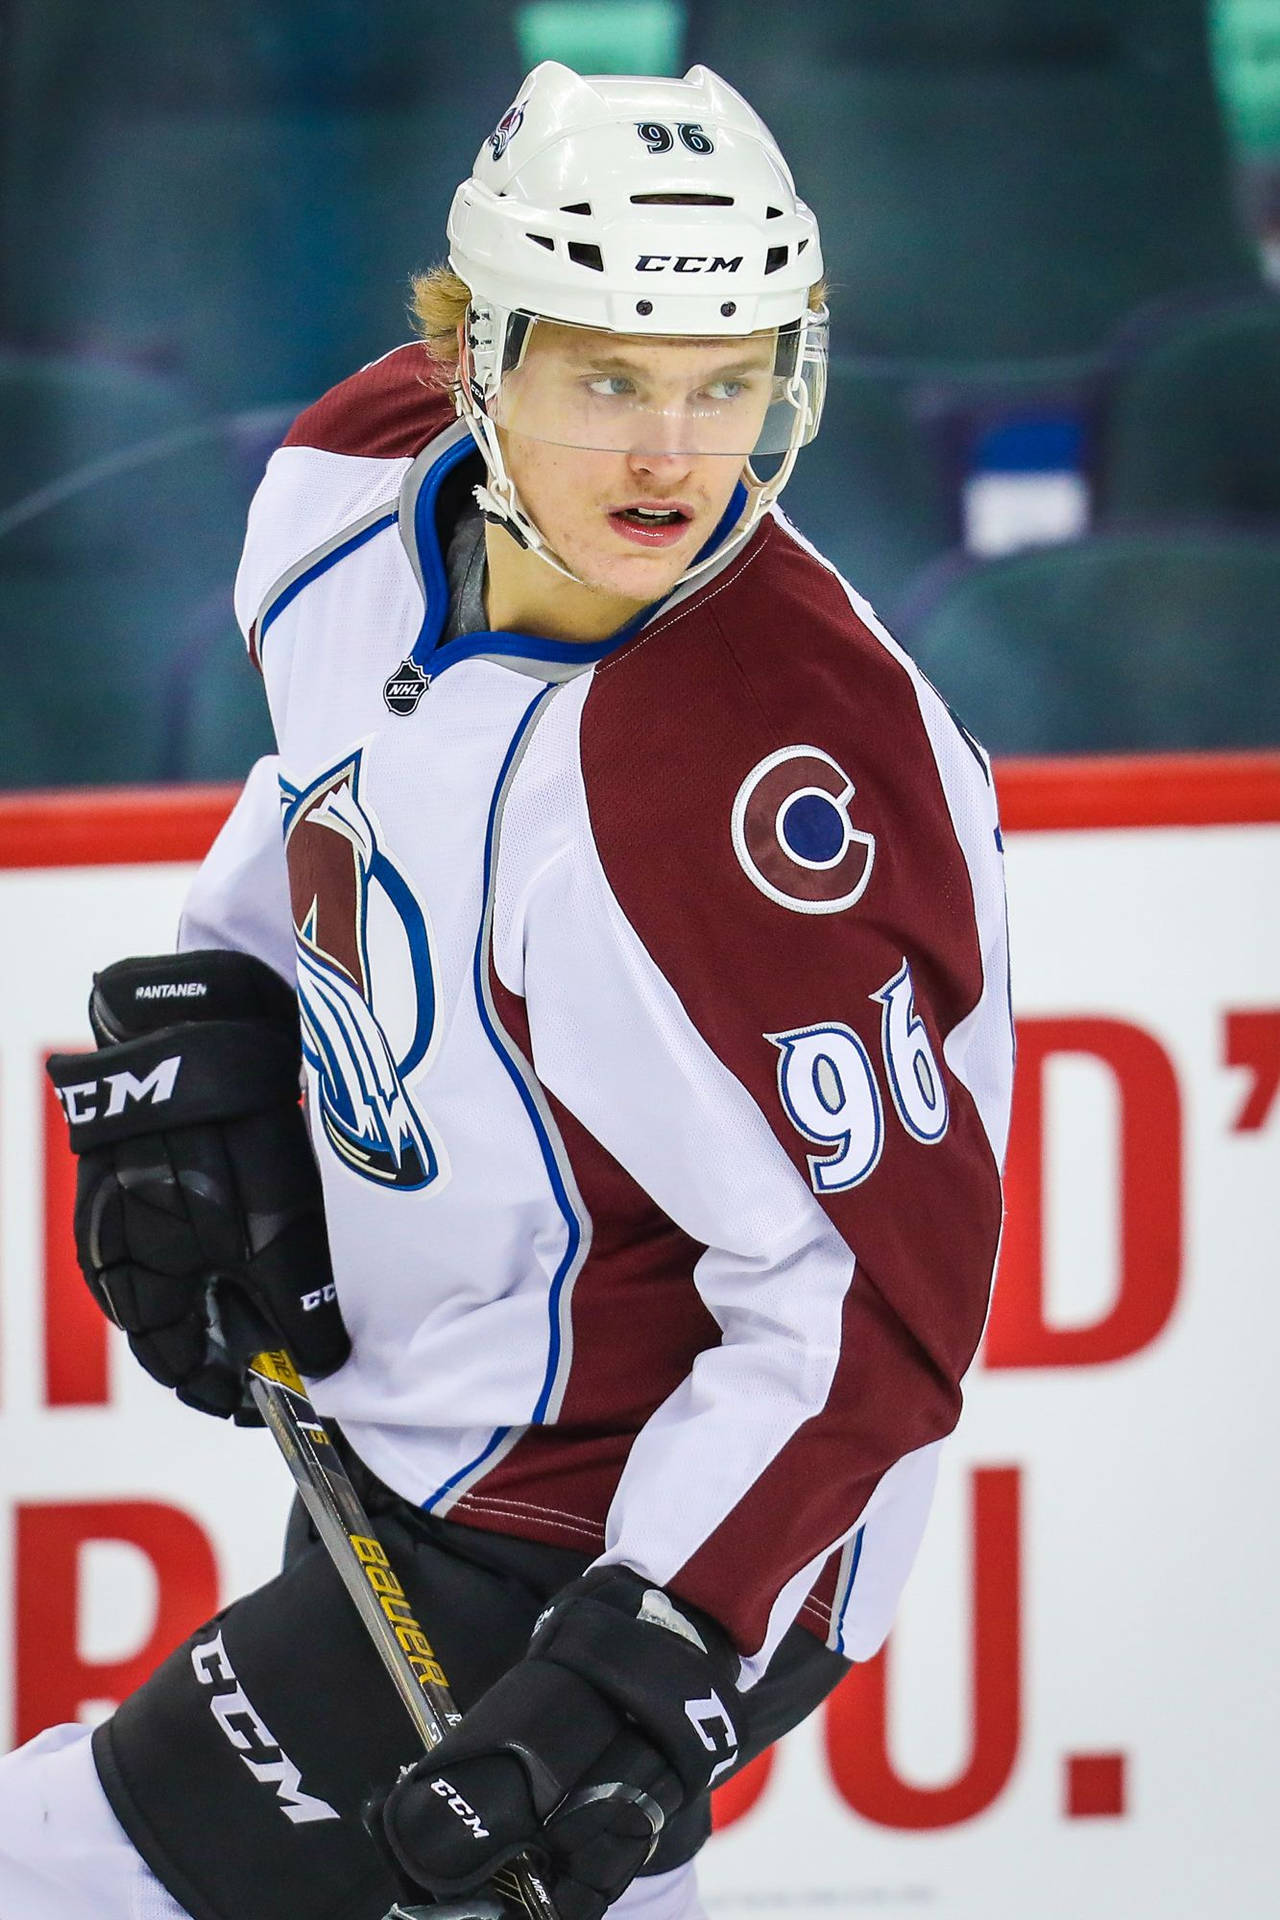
(641, 206)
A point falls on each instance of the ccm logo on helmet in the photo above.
(793, 835)
(687, 263)
(81, 1103)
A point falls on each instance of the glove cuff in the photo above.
(177, 1077)
(670, 1671)
(137, 996)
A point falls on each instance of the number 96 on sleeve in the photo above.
(829, 1092)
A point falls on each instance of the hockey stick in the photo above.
(362, 1565)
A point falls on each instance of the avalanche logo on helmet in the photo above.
(337, 869)
(793, 835)
(506, 130)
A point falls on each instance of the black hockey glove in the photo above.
(196, 1174)
(622, 1709)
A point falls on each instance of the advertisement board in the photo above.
(1077, 1711)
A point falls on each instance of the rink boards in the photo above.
(1077, 1711)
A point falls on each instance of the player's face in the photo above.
(625, 451)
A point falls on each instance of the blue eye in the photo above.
(610, 386)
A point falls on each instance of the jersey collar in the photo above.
(423, 535)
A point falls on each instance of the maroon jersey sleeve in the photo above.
(387, 411)
(805, 845)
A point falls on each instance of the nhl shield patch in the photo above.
(405, 687)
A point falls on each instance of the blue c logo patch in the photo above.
(793, 835)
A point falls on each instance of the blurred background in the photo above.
(1051, 457)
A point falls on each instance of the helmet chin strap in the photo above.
(497, 499)
(502, 506)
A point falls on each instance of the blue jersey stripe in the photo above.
(435, 583)
(322, 565)
(573, 1225)
(848, 1592)
(518, 646)
(495, 1440)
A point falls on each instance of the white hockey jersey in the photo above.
(656, 1021)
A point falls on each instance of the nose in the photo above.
(661, 455)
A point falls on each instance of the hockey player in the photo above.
(644, 910)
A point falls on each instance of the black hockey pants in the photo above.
(240, 1768)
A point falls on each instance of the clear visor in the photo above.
(627, 393)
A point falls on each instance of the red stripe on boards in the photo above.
(111, 826)
(1147, 790)
(98, 826)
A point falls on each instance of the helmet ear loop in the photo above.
(498, 501)
(764, 492)
(799, 397)
(761, 493)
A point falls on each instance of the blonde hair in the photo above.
(439, 306)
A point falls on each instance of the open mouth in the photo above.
(656, 526)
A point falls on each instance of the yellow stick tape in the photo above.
(279, 1367)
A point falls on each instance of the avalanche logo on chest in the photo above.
(366, 982)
